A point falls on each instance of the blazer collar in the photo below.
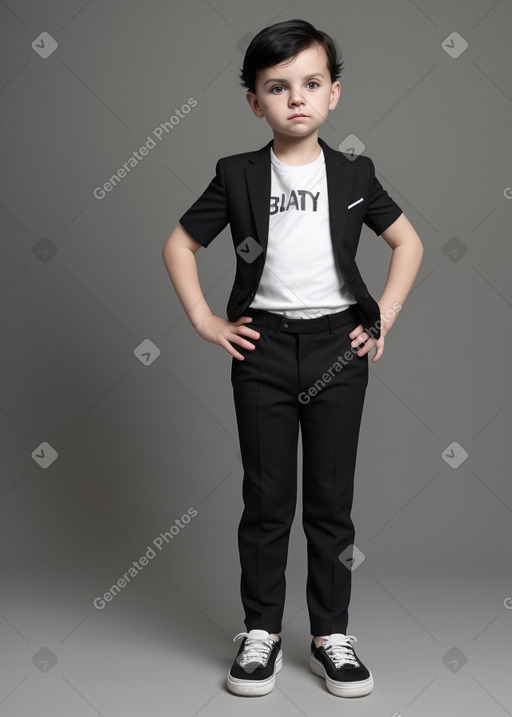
(339, 191)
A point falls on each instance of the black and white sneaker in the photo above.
(335, 661)
(259, 659)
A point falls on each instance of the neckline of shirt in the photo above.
(292, 168)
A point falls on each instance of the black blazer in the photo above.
(239, 194)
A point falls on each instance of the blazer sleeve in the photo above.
(381, 210)
(208, 215)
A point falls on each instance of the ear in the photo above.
(335, 94)
(253, 103)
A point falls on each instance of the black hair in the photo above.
(282, 41)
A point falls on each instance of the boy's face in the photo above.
(302, 86)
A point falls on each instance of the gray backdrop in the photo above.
(119, 441)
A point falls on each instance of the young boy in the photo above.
(300, 325)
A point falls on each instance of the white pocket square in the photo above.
(354, 203)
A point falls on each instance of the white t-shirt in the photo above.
(301, 277)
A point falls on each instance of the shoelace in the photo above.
(340, 650)
(255, 649)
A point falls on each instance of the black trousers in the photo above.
(302, 372)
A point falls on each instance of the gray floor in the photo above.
(155, 651)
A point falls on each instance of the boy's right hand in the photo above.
(221, 331)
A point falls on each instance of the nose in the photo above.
(296, 98)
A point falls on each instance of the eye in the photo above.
(314, 82)
(276, 87)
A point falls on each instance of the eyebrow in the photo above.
(281, 79)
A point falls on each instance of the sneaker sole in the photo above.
(341, 689)
(255, 688)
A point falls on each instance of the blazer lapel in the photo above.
(257, 176)
(339, 191)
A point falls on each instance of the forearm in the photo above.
(181, 266)
(403, 269)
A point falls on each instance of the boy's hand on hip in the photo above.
(360, 336)
(221, 331)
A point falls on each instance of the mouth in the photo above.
(297, 115)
